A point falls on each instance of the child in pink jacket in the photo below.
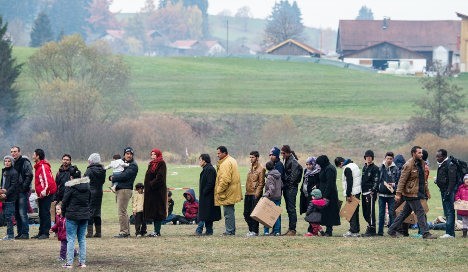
(462, 194)
(60, 230)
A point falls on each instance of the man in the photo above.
(387, 186)
(253, 191)
(275, 158)
(446, 180)
(228, 188)
(124, 191)
(65, 173)
(45, 189)
(351, 180)
(412, 187)
(369, 187)
(291, 178)
(24, 168)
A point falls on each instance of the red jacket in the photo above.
(44, 180)
(59, 228)
(190, 208)
(462, 193)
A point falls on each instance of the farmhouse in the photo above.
(292, 47)
(376, 43)
(463, 43)
(197, 48)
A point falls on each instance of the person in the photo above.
(61, 231)
(327, 185)
(462, 194)
(75, 206)
(369, 186)
(291, 178)
(399, 162)
(412, 187)
(32, 203)
(24, 168)
(45, 189)
(314, 213)
(275, 158)
(228, 190)
(64, 174)
(124, 191)
(446, 180)
(97, 177)
(9, 194)
(351, 180)
(273, 188)
(155, 204)
(387, 187)
(117, 165)
(170, 208)
(310, 182)
(138, 200)
(189, 209)
(207, 212)
(253, 191)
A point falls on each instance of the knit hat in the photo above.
(369, 153)
(94, 158)
(128, 149)
(316, 193)
(10, 158)
(275, 152)
(465, 177)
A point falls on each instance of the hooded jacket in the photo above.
(462, 194)
(97, 177)
(75, 203)
(190, 207)
(9, 182)
(273, 185)
(43, 179)
(64, 175)
(389, 175)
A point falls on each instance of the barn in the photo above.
(292, 47)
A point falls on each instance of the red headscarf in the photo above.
(159, 158)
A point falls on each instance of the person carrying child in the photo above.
(117, 165)
(314, 213)
(61, 231)
(137, 204)
(273, 187)
(462, 194)
(189, 209)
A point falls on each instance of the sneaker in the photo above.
(138, 236)
(154, 234)
(22, 237)
(275, 234)
(35, 236)
(122, 235)
(308, 234)
(67, 266)
(441, 219)
(395, 234)
(112, 188)
(251, 234)
(227, 234)
(43, 237)
(290, 233)
(8, 238)
(81, 265)
(266, 234)
(351, 234)
(429, 236)
(445, 236)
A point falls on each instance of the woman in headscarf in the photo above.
(97, 177)
(155, 204)
(310, 182)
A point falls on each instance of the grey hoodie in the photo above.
(273, 185)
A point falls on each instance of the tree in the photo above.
(202, 6)
(70, 16)
(23, 10)
(243, 13)
(9, 72)
(284, 23)
(365, 13)
(439, 108)
(41, 31)
(100, 18)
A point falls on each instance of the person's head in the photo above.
(204, 159)
(311, 162)
(169, 195)
(254, 155)
(8, 161)
(270, 165)
(339, 161)
(441, 155)
(416, 152)
(66, 160)
(139, 187)
(316, 194)
(323, 161)
(155, 153)
(116, 157)
(425, 155)
(369, 156)
(58, 209)
(286, 151)
(128, 154)
(94, 158)
(38, 155)
(15, 152)
(188, 196)
(389, 156)
(221, 152)
(274, 154)
(465, 180)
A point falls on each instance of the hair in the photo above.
(223, 149)
(390, 154)
(294, 154)
(338, 161)
(169, 193)
(443, 152)
(139, 186)
(414, 148)
(270, 165)
(286, 149)
(59, 204)
(39, 152)
(17, 147)
(116, 157)
(206, 158)
(425, 155)
(255, 153)
(66, 155)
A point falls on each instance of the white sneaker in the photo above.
(112, 188)
(351, 234)
(446, 236)
(251, 234)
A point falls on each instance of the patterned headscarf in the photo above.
(315, 169)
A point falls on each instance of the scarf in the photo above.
(154, 163)
(315, 169)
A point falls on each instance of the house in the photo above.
(463, 42)
(197, 48)
(376, 43)
(292, 47)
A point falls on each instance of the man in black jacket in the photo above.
(291, 178)
(369, 185)
(64, 174)
(387, 188)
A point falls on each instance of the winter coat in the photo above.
(462, 194)
(389, 175)
(370, 178)
(9, 182)
(60, 228)
(352, 186)
(447, 176)
(273, 185)
(76, 199)
(207, 211)
(327, 178)
(408, 185)
(228, 186)
(43, 179)
(24, 168)
(292, 172)
(127, 177)
(280, 167)
(155, 204)
(190, 207)
(63, 175)
(399, 162)
(97, 177)
(138, 200)
(255, 180)
(312, 181)
(314, 210)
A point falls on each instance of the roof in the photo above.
(462, 16)
(184, 44)
(413, 35)
(299, 44)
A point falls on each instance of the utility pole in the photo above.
(227, 37)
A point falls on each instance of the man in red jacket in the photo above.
(45, 189)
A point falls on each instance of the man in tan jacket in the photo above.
(412, 187)
(228, 188)
(253, 191)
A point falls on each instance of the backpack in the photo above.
(462, 169)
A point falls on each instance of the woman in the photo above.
(97, 176)
(310, 182)
(155, 204)
(327, 179)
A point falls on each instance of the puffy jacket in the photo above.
(137, 201)
(63, 175)
(355, 183)
(314, 210)
(75, 203)
(462, 194)
(60, 228)
(408, 185)
(228, 186)
(389, 175)
(190, 207)
(255, 180)
(446, 176)
(273, 185)
(24, 168)
(127, 177)
(43, 179)
(9, 182)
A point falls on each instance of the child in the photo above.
(462, 194)
(60, 230)
(170, 208)
(189, 209)
(313, 214)
(273, 187)
(33, 201)
(117, 166)
(137, 204)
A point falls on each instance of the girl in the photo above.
(60, 229)
(462, 194)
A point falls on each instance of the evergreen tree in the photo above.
(284, 23)
(70, 16)
(41, 32)
(365, 13)
(9, 71)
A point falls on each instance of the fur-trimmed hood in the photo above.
(77, 181)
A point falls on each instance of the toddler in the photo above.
(462, 194)
(137, 204)
(117, 165)
(273, 187)
(60, 230)
(313, 214)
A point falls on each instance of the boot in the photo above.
(90, 231)
(98, 232)
(464, 232)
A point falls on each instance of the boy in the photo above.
(170, 208)
(137, 204)
(273, 187)
(189, 209)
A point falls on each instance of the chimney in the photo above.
(385, 22)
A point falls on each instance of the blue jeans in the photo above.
(21, 214)
(277, 225)
(383, 201)
(207, 224)
(76, 228)
(168, 219)
(9, 212)
(449, 212)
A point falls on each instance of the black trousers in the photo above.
(44, 214)
(249, 205)
(354, 221)
(368, 210)
(290, 195)
(140, 224)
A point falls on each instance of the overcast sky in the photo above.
(326, 13)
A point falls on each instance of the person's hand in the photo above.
(349, 199)
(51, 231)
(134, 213)
(110, 178)
(2, 191)
(43, 193)
(397, 198)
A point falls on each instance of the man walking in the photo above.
(387, 186)
(228, 188)
(446, 181)
(369, 186)
(291, 178)
(253, 191)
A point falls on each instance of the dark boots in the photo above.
(98, 232)
(464, 232)
(90, 231)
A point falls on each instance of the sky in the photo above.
(327, 13)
